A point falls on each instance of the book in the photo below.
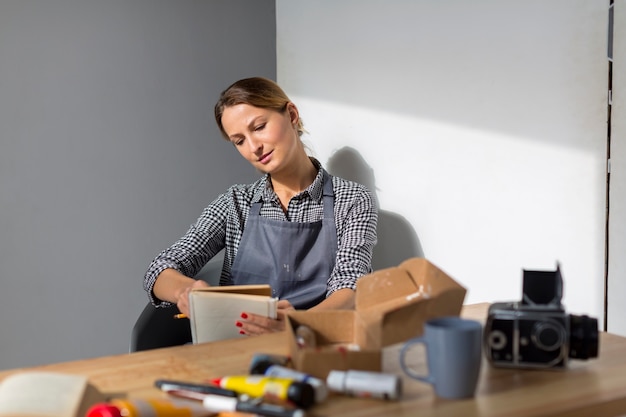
(47, 394)
(215, 310)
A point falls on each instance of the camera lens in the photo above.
(548, 336)
(583, 337)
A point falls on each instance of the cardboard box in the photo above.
(392, 306)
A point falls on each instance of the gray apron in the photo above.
(296, 259)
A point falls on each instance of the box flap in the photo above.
(393, 304)
(446, 294)
(383, 285)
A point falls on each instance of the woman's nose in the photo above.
(255, 145)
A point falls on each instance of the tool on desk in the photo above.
(269, 369)
(218, 404)
(168, 385)
(298, 393)
(156, 407)
(181, 316)
(243, 404)
(366, 384)
(188, 395)
(263, 360)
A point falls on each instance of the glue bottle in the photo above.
(298, 393)
(156, 407)
(269, 369)
(365, 384)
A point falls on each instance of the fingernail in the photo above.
(244, 316)
(242, 332)
(238, 324)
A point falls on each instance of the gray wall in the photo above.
(108, 152)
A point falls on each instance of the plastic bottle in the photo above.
(305, 337)
(300, 394)
(148, 408)
(269, 369)
(365, 384)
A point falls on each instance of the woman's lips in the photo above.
(264, 159)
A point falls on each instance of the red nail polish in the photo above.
(242, 332)
(238, 324)
(244, 316)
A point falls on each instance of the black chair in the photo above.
(157, 327)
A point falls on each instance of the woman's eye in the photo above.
(259, 127)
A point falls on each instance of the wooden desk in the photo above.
(594, 388)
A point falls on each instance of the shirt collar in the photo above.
(316, 188)
(266, 193)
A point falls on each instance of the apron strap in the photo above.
(255, 209)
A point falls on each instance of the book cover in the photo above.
(215, 310)
(47, 394)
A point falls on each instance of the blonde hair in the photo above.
(256, 91)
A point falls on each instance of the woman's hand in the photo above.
(253, 324)
(182, 298)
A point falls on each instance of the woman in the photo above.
(307, 234)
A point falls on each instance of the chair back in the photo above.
(156, 327)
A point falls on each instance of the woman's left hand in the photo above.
(253, 324)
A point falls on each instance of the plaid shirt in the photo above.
(222, 224)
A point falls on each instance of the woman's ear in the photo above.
(294, 115)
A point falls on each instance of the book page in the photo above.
(214, 313)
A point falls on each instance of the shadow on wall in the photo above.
(397, 240)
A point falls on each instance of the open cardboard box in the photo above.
(392, 306)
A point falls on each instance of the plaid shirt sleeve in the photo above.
(190, 253)
(356, 217)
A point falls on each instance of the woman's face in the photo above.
(266, 138)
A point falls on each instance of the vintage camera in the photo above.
(536, 332)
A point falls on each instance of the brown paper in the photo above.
(392, 306)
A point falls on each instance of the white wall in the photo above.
(482, 125)
(109, 151)
(617, 217)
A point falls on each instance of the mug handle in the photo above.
(407, 370)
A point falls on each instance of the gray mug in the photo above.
(453, 352)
